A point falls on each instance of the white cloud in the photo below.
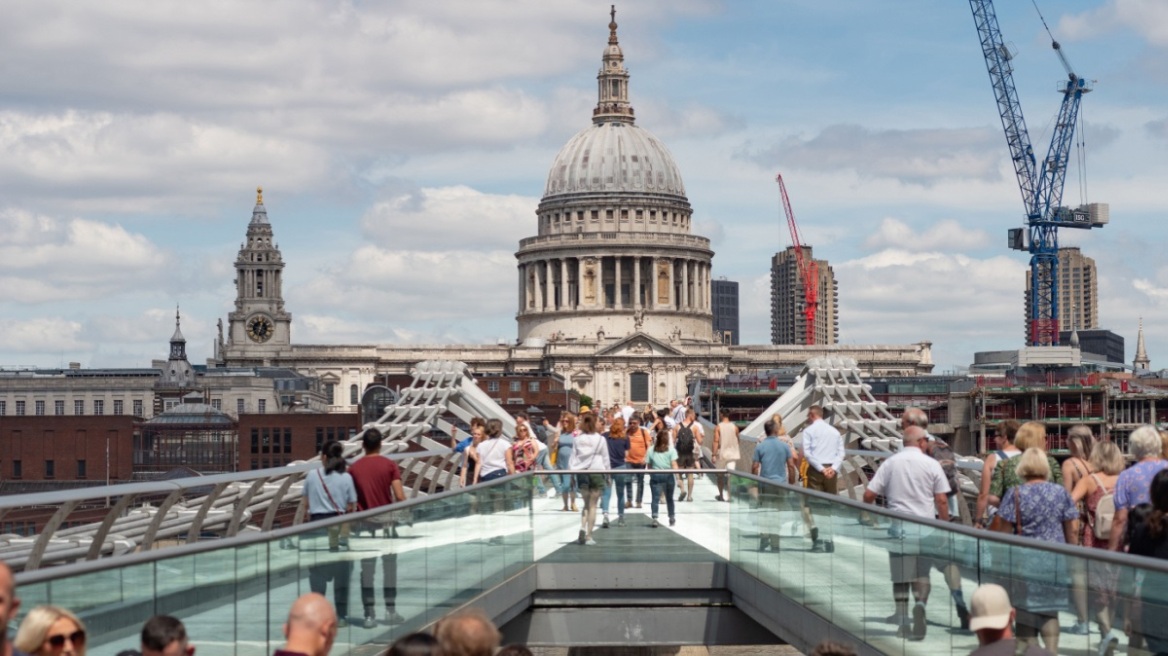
(918, 157)
(43, 259)
(450, 218)
(947, 235)
(1148, 18)
(42, 335)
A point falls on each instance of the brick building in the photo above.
(58, 450)
(275, 440)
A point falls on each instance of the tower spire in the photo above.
(1141, 360)
(612, 105)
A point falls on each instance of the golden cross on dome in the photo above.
(259, 195)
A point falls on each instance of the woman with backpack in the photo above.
(687, 439)
(330, 492)
(1097, 489)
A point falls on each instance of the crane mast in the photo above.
(1042, 183)
(807, 267)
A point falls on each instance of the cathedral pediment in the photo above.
(639, 345)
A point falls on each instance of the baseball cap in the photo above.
(989, 608)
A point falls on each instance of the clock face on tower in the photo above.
(260, 328)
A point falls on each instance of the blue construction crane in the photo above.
(1042, 187)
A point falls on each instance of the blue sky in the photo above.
(403, 149)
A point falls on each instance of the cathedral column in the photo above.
(548, 297)
(616, 261)
(564, 303)
(685, 297)
(709, 287)
(672, 283)
(636, 282)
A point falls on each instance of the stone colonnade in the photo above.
(625, 282)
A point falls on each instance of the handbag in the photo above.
(999, 523)
(340, 510)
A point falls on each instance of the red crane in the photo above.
(808, 269)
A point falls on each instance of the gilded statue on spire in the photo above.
(612, 25)
(259, 195)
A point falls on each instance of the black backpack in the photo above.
(685, 439)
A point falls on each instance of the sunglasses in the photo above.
(58, 641)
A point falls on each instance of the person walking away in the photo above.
(939, 450)
(992, 619)
(1134, 484)
(823, 446)
(1080, 442)
(685, 440)
(774, 461)
(914, 484)
(1004, 449)
(330, 492)
(726, 452)
(529, 454)
(560, 443)
(1105, 465)
(618, 450)
(378, 483)
(589, 452)
(1044, 511)
(662, 456)
(637, 457)
(494, 454)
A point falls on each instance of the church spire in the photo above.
(178, 343)
(612, 103)
(1141, 360)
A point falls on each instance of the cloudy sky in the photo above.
(403, 147)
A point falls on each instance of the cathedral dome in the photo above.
(614, 156)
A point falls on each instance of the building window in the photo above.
(3, 408)
(119, 407)
(533, 386)
(79, 407)
(516, 386)
(58, 408)
(238, 406)
(20, 408)
(262, 406)
(50, 469)
(492, 386)
(169, 404)
(17, 469)
(352, 395)
(287, 440)
(330, 391)
(217, 404)
(137, 408)
(40, 408)
(99, 407)
(81, 471)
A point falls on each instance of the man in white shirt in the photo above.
(677, 411)
(914, 484)
(627, 412)
(823, 447)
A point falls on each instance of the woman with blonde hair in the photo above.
(51, 631)
(618, 448)
(1107, 462)
(1080, 442)
(560, 442)
(1042, 510)
(1031, 435)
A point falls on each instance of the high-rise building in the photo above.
(725, 301)
(788, 308)
(1078, 293)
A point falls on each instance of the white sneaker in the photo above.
(551, 494)
(590, 542)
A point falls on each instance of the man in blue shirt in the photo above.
(773, 460)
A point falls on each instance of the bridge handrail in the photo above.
(190, 483)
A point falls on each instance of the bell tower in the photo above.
(259, 327)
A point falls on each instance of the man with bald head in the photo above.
(467, 633)
(311, 627)
(914, 484)
(9, 605)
